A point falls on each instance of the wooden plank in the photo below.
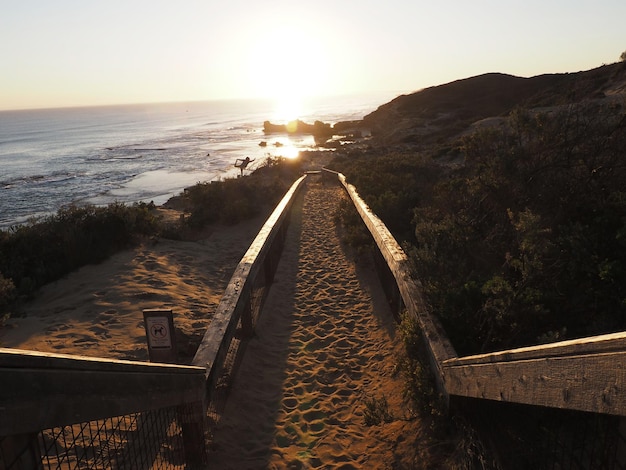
(588, 382)
(41, 390)
(216, 341)
(589, 345)
(20, 358)
(437, 342)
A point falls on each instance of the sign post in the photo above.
(159, 325)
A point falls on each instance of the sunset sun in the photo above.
(287, 65)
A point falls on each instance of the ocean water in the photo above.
(98, 155)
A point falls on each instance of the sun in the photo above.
(287, 107)
(287, 65)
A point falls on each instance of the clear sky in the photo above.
(83, 52)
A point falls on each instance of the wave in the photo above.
(39, 179)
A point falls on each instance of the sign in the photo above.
(159, 335)
(159, 326)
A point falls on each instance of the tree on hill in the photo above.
(622, 57)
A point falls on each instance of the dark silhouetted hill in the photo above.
(443, 111)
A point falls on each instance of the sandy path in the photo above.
(325, 343)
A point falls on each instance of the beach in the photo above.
(51, 158)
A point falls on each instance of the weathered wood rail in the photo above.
(587, 374)
(40, 391)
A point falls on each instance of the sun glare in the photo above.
(287, 108)
(286, 66)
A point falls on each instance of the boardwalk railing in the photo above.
(61, 411)
(65, 412)
(586, 375)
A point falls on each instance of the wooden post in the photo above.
(621, 443)
(247, 325)
(159, 325)
(21, 451)
(192, 422)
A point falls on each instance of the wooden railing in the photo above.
(588, 374)
(43, 390)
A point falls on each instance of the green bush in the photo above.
(233, 200)
(527, 241)
(391, 184)
(7, 296)
(523, 243)
(377, 412)
(45, 250)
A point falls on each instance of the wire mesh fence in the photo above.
(526, 436)
(146, 440)
(254, 303)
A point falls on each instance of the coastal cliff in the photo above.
(442, 111)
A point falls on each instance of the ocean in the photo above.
(50, 158)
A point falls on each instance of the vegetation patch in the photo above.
(377, 412)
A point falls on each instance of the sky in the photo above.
(86, 52)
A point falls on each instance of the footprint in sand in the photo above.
(151, 265)
(157, 283)
(112, 322)
(85, 342)
(57, 327)
(100, 331)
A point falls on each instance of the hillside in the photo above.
(441, 112)
(523, 239)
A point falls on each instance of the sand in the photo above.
(98, 310)
(325, 344)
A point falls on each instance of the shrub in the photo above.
(526, 242)
(45, 250)
(7, 296)
(233, 200)
(377, 412)
(392, 185)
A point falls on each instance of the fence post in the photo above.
(247, 325)
(192, 422)
(20, 451)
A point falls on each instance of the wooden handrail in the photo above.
(587, 374)
(214, 346)
(42, 390)
(609, 343)
(438, 346)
